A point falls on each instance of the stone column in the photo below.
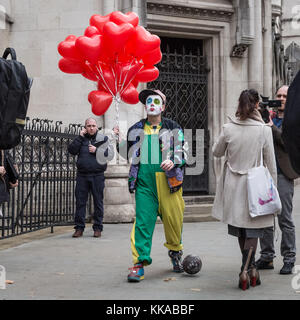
(267, 47)
(119, 204)
(255, 53)
(137, 6)
(109, 6)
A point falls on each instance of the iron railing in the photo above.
(47, 174)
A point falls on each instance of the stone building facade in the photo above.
(234, 38)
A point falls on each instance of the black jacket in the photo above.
(282, 156)
(87, 163)
(4, 180)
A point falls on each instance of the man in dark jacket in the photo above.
(285, 185)
(93, 150)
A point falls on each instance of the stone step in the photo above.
(197, 213)
(198, 199)
(200, 212)
(187, 218)
(202, 208)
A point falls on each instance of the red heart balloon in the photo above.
(90, 48)
(70, 66)
(89, 72)
(119, 17)
(130, 95)
(101, 87)
(147, 74)
(91, 31)
(99, 21)
(142, 43)
(100, 101)
(116, 36)
(71, 37)
(107, 79)
(135, 83)
(122, 57)
(68, 50)
(125, 73)
(153, 57)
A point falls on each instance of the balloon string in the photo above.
(117, 103)
(121, 74)
(132, 79)
(97, 75)
(121, 90)
(116, 98)
(93, 72)
(115, 75)
(101, 74)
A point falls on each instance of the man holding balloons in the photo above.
(156, 148)
(118, 54)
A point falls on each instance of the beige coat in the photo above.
(240, 142)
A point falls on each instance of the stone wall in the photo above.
(290, 22)
(39, 26)
(5, 16)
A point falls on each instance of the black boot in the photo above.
(176, 260)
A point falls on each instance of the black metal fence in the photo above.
(45, 194)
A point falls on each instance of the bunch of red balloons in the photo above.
(115, 52)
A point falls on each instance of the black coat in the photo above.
(4, 180)
(291, 123)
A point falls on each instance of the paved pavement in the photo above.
(87, 268)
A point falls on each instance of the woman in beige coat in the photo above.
(240, 142)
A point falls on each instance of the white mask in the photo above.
(154, 105)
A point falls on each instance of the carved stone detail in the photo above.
(189, 12)
(245, 32)
(238, 50)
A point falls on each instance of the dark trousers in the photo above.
(285, 220)
(84, 185)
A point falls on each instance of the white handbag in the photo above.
(263, 197)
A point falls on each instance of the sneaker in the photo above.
(136, 273)
(176, 260)
(287, 268)
(263, 265)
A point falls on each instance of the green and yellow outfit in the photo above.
(156, 193)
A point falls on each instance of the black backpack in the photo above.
(14, 98)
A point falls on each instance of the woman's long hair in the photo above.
(247, 102)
